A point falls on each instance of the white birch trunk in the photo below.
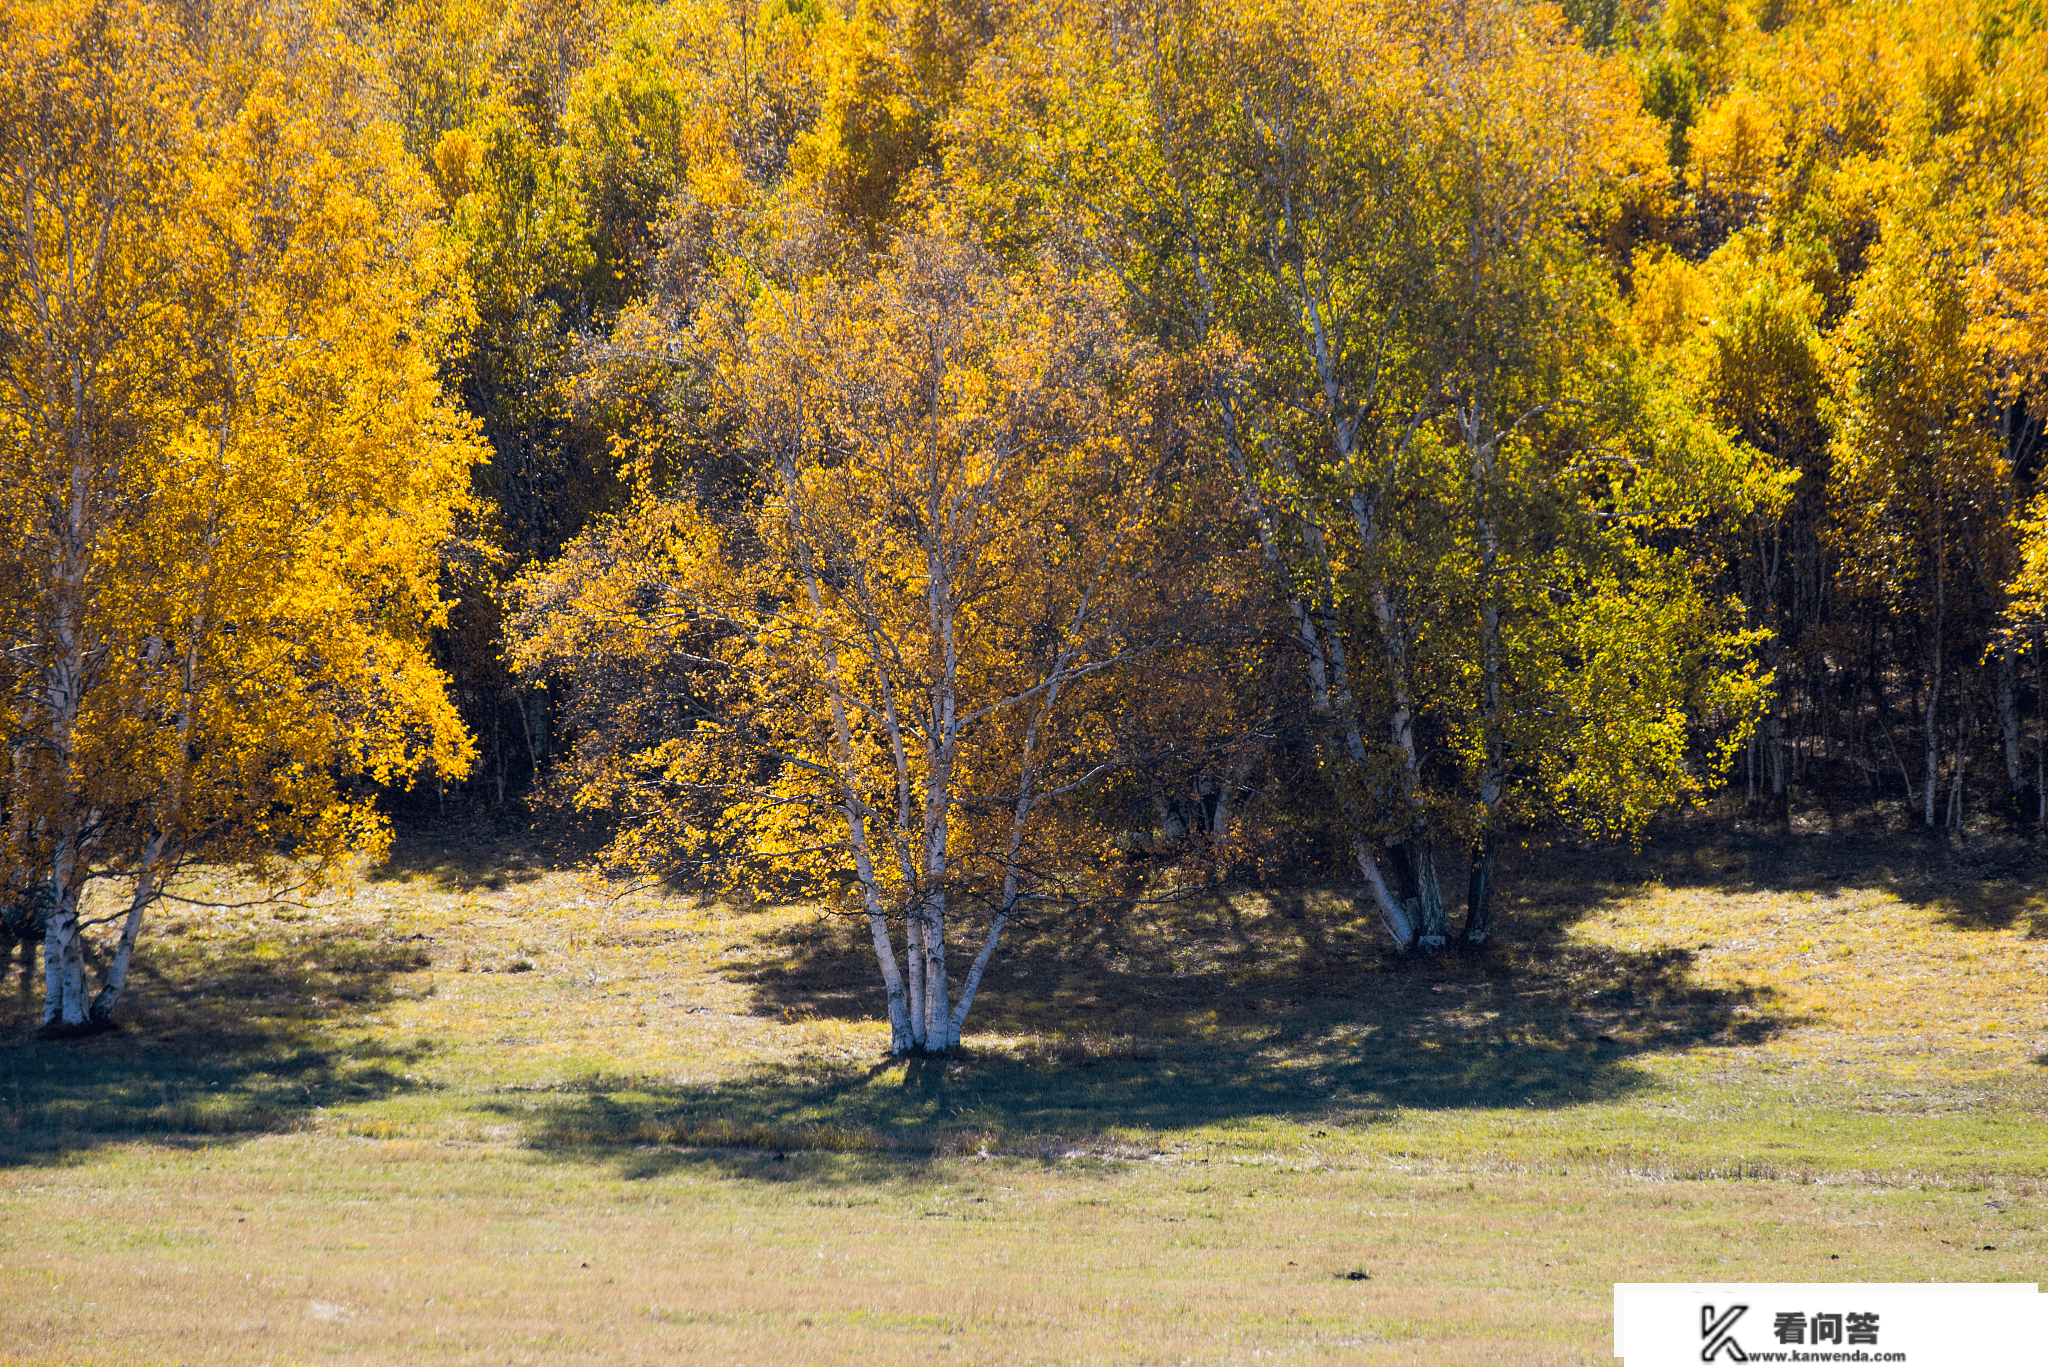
(885, 955)
(1940, 625)
(65, 1003)
(1399, 926)
(972, 983)
(941, 754)
(64, 685)
(55, 942)
(1393, 915)
(1418, 858)
(937, 1004)
(914, 964)
(1775, 726)
(1955, 792)
(1479, 881)
(855, 811)
(148, 882)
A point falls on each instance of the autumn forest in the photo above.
(971, 463)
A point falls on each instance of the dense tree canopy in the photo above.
(222, 286)
(954, 461)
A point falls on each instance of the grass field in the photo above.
(491, 1110)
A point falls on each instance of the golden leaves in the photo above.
(265, 468)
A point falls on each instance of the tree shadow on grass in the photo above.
(216, 1039)
(1234, 1012)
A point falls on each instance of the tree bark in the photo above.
(972, 985)
(1399, 924)
(900, 1014)
(64, 1004)
(1479, 892)
(2008, 699)
(1479, 880)
(1933, 737)
(148, 882)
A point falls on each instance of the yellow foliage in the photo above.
(1736, 150)
(1672, 299)
(228, 469)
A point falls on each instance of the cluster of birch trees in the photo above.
(969, 460)
(227, 470)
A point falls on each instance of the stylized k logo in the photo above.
(1718, 1333)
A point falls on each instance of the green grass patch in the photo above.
(1226, 1131)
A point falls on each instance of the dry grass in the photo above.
(492, 1111)
(1882, 981)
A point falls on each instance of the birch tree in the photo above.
(1366, 222)
(880, 674)
(224, 466)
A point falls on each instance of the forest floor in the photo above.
(491, 1110)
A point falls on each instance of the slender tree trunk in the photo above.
(1933, 737)
(1399, 924)
(1226, 801)
(1891, 742)
(523, 701)
(1774, 721)
(1479, 891)
(1479, 880)
(941, 755)
(497, 752)
(148, 882)
(972, 984)
(915, 961)
(1955, 792)
(855, 810)
(64, 1002)
(2008, 700)
(1417, 859)
(1940, 626)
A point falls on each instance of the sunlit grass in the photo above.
(492, 1110)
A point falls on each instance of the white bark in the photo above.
(64, 962)
(972, 984)
(148, 883)
(1393, 916)
(914, 963)
(1479, 883)
(855, 810)
(1940, 625)
(1419, 856)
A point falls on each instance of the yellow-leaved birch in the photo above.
(226, 470)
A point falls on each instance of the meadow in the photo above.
(487, 1108)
